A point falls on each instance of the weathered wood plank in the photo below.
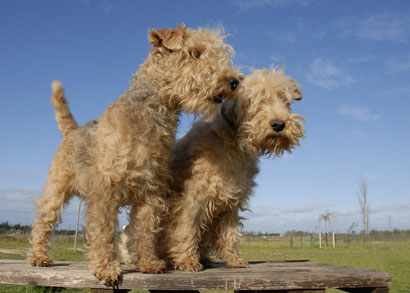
(258, 276)
(109, 290)
(281, 291)
(366, 290)
(173, 291)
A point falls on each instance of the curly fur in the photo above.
(214, 166)
(122, 158)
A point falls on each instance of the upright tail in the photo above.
(65, 120)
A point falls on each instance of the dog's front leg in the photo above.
(227, 239)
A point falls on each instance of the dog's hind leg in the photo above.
(126, 238)
(56, 193)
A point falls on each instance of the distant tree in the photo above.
(351, 231)
(326, 217)
(6, 227)
(351, 228)
(364, 206)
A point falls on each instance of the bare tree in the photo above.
(350, 231)
(364, 206)
(326, 216)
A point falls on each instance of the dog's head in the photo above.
(194, 68)
(262, 113)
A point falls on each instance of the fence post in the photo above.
(76, 227)
(291, 240)
(320, 239)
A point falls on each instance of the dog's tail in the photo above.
(66, 121)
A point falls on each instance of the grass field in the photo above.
(389, 256)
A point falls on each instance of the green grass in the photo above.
(389, 256)
(62, 249)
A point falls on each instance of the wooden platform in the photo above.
(294, 276)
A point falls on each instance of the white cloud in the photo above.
(361, 59)
(357, 113)
(245, 5)
(271, 211)
(398, 64)
(326, 74)
(403, 207)
(18, 174)
(347, 212)
(18, 206)
(360, 134)
(385, 26)
(282, 37)
(320, 33)
(17, 198)
(277, 59)
(305, 217)
(287, 37)
(101, 4)
(395, 91)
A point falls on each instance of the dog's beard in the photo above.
(271, 144)
(266, 142)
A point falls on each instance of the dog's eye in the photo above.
(196, 54)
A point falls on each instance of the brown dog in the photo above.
(122, 158)
(213, 168)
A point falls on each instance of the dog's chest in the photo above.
(238, 172)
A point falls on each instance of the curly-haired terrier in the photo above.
(214, 165)
(122, 158)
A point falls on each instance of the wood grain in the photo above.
(258, 276)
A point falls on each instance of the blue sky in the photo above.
(352, 59)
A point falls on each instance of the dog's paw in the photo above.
(110, 275)
(189, 266)
(152, 266)
(237, 263)
(40, 261)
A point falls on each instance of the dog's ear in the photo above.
(298, 94)
(171, 39)
(292, 92)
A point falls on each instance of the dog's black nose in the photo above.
(277, 125)
(233, 82)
